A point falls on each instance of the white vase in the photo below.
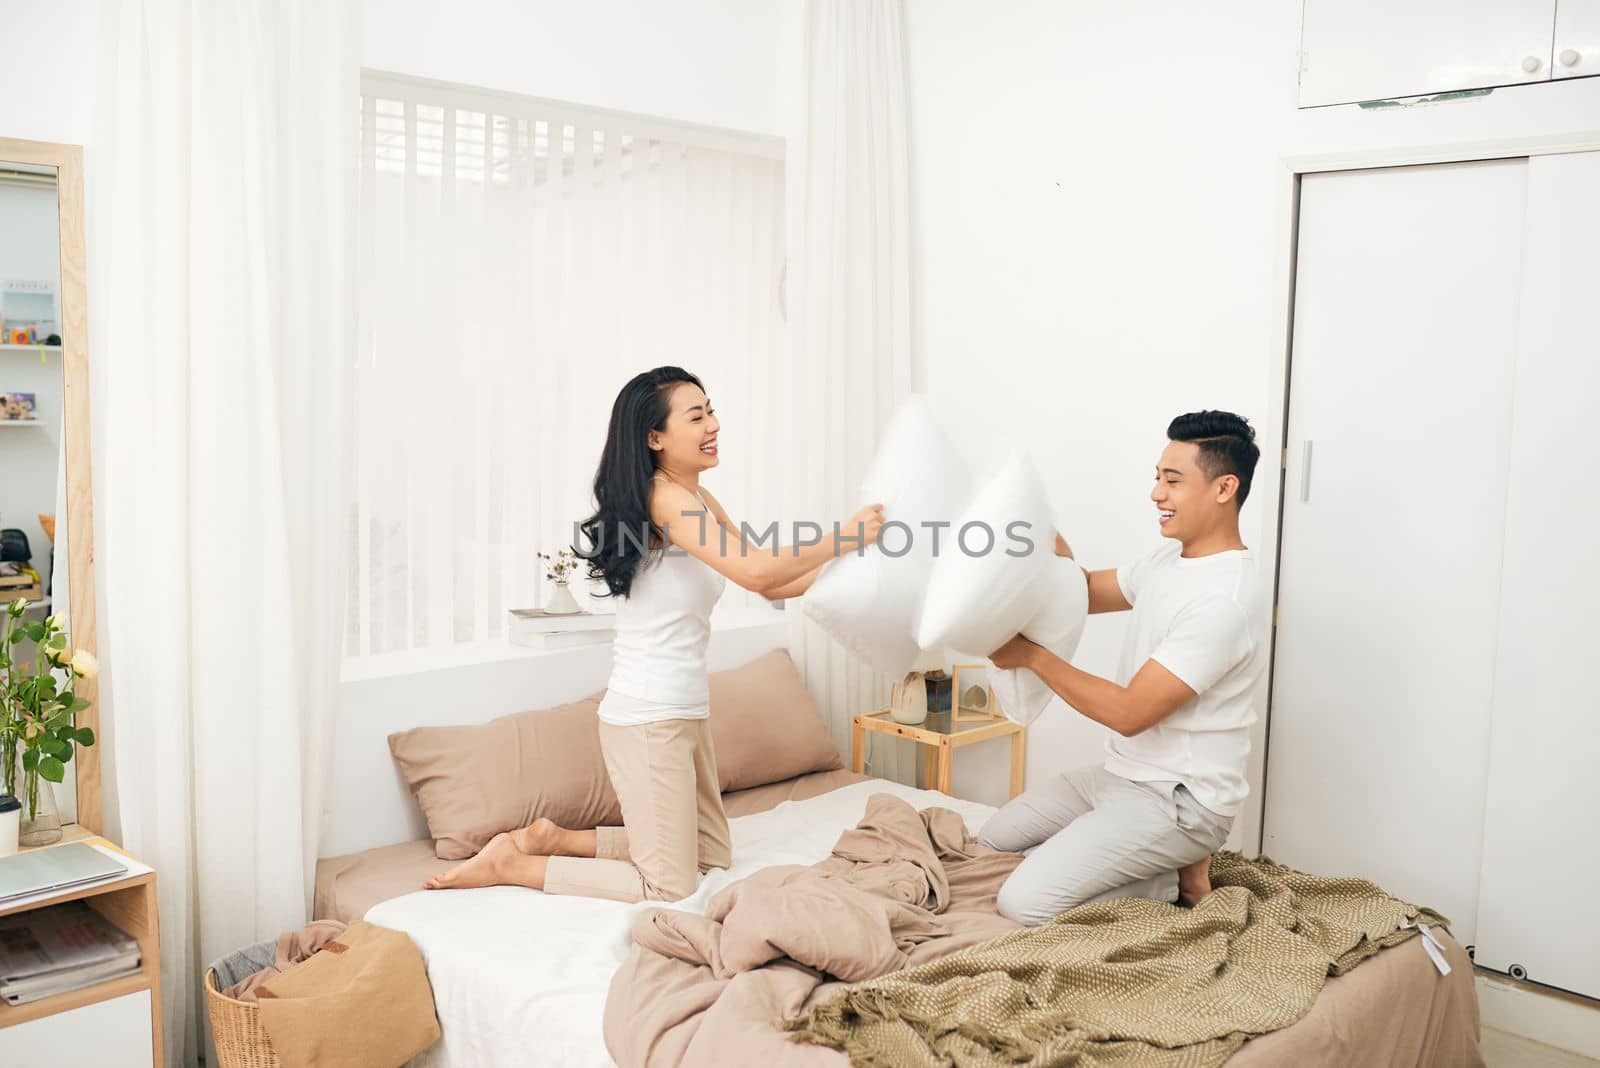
(908, 701)
(561, 602)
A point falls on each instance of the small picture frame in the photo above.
(18, 407)
(971, 695)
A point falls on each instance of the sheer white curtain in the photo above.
(849, 298)
(520, 260)
(222, 197)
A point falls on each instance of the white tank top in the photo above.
(658, 667)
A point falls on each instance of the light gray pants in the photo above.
(1090, 835)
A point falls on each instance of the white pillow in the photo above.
(976, 602)
(870, 602)
(1020, 693)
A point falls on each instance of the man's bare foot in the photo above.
(1194, 883)
(482, 870)
(541, 838)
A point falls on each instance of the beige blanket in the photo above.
(1129, 982)
(900, 889)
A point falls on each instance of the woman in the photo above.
(654, 726)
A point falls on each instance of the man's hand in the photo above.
(1019, 652)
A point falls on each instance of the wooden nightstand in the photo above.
(108, 1023)
(941, 735)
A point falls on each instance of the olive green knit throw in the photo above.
(1127, 982)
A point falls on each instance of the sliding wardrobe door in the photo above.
(1405, 326)
(1541, 851)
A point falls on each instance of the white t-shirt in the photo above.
(1198, 619)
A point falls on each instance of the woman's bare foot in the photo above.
(485, 869)
(541, 838)
(1194, 883)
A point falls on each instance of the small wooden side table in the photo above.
(105, 1022)
(940, 735)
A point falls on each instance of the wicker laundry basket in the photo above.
(236, 1028)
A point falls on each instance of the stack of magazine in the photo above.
(544, 630)
(53, 950)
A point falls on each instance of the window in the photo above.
(519, 261)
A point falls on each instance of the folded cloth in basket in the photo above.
(292, 948)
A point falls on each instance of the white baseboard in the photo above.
(1554, 1019)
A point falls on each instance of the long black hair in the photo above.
(617, 535)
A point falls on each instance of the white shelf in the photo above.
(21, 422)
(30, 348)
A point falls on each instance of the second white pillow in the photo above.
(1058, 627)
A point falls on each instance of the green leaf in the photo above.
(30, 759)
(35, 631)
(52, 769)
(78, 704)
(58, 719)
(53, 745)
(84, 735)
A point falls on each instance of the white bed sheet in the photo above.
(520, 978)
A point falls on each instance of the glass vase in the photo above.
(41, 818)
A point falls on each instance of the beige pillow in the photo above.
(473, 782)
(764, 725)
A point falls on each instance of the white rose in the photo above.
(84, 664)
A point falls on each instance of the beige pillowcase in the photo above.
(474, 781)
(764, 725)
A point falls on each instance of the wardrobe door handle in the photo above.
(1305, 472)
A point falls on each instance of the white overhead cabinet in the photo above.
(1361, 50)
(1576, 52)
(1435, 725)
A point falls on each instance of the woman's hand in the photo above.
(1016, 653)
(864, 525)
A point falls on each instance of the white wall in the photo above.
(47, 79)
(703, 61)
(1100, 230)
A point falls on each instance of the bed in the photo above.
(519, 977)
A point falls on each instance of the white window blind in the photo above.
(520, 260)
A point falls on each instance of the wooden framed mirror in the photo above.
(45, 481)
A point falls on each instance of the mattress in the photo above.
(521, 978)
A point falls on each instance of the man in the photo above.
(1146, 822)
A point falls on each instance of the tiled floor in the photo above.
(1501, 1050)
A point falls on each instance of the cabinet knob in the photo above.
(1570, 57)
(1531, 64)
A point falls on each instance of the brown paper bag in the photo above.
(363, 999)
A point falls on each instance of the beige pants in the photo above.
(674, 828)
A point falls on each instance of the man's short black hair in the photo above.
(1227, 445)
